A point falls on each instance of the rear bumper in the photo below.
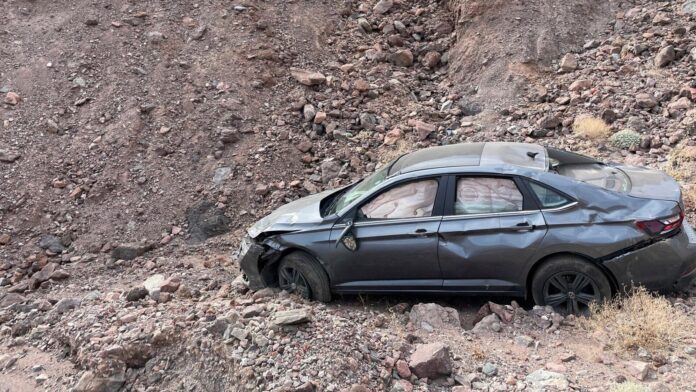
(667, 265)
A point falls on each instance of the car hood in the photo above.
(292, 215)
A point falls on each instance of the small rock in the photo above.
(290, 317)
(545, 379)
(308, 78)
(665, 56)
(638, 369)
(431, 361)
(489, 369)
(581, 84)
(433, 316)
(136, 294)
(549, 121)
(383, 6)
(402, 369)
(391, 137)
(422, 128)
(8, 156)
(402, 58)
(431, 59)
(645, 101)
(309, 112)
(199, 32)
(91, 382)
(12, 98)
(51, 243)
(524, 340)
(569, 63)
(330, 169)
(130, 251)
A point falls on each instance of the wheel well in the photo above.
(269, 269)
(528, 282)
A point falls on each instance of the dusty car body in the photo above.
(481, 218)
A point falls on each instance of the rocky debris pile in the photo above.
(636, 79)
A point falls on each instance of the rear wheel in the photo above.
(569, 284)
(301, 274)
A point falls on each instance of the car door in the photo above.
(491, 227)
(396, 236)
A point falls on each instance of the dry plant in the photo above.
(629, 387)
(689, 196)
(681, 163)
(478, 353)
(389, 153)
(591, 127)
(640, 319)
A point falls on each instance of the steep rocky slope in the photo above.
(131, 132)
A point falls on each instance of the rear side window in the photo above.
(547, 197)
(482, 195)
(411, 200)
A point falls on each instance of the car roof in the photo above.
(525, 155)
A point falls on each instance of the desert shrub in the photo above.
(640, 319)
(591, 127)
(389, 153)
(625, 139)
(629, 387)
(681, 163)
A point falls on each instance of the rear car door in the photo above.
(396, 236)
(491, 228)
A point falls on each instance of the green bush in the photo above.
(625, 139)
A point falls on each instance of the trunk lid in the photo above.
(651, 184)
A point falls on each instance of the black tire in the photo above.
(569, 284)
(302, 274)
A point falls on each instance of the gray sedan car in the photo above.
(481, 218)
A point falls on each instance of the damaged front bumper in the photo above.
(256, 261)
(666, 265)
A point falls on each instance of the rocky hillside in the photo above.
(138, 139)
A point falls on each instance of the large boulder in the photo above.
(433, 316)
(431, 361)
(205, 220)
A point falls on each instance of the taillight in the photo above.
(661, 226)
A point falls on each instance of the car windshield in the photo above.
(356, 191)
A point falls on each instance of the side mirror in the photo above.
(347, 238)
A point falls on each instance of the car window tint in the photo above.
(548, 197)
(415, 199)
(481, 195)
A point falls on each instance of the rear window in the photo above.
(597, 174)
(548, 197)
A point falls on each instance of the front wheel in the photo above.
(301, 274)
(569, 285)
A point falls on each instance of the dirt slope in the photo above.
(503, 45)
(132, 130)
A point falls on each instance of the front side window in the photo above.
(411, 200)
(547, 197)
(483, 195)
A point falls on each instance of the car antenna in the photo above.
(532, 154)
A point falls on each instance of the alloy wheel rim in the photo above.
(293, 281)
(571, 292)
